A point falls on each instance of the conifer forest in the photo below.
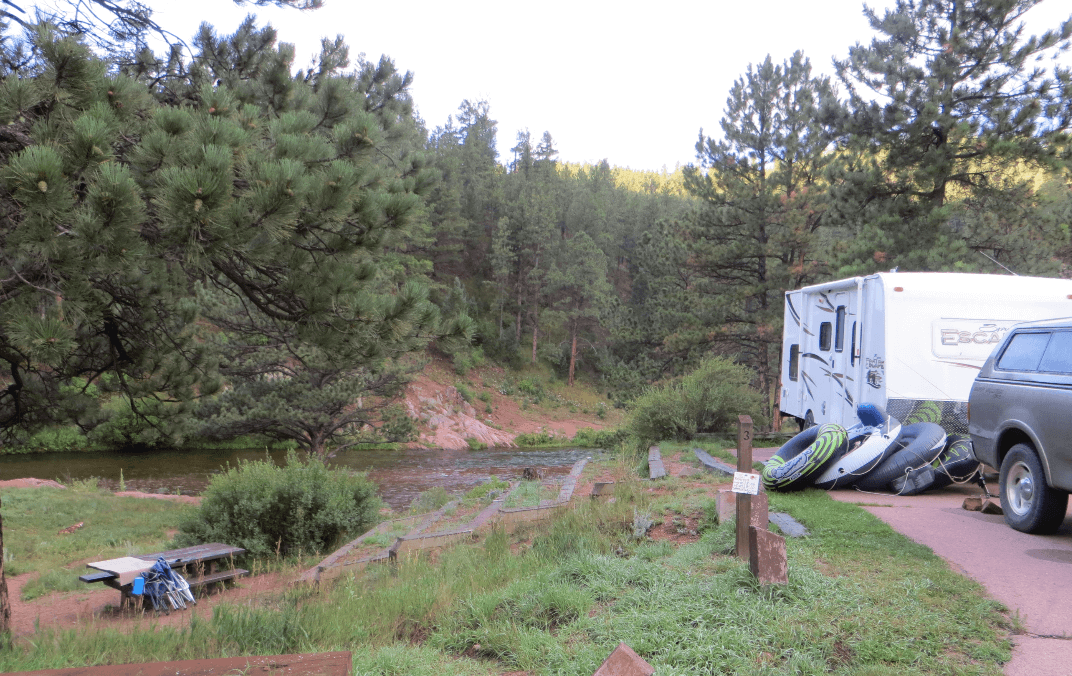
(228, 242)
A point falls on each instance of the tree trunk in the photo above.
(535, 330)
(572, 355)
(5, 604)
(764, 377)
(520, 309)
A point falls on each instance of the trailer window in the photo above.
(839, 330)
(852, 349)
(825, 331)
(1024, 352)
(794, 362)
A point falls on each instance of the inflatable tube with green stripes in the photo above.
(957, 463)
(802, 459)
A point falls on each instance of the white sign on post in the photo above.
(745, 482)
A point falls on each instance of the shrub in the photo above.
(540, 439)
(301, 507)
(707, 400)
(397, 424)
(429, 500)
(587, 437)
(68, 438)
(531, 386)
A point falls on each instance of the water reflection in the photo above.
(401, 475)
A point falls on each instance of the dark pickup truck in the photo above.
(1020, 420)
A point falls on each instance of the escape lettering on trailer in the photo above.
(983, 336)
(965, 338)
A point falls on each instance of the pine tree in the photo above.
(754, 235)
(465, 202)
(287, 194)
(578, 288)
(116, 27)
(948, 107)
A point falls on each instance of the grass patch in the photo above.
(113, 527)
(530, 493)
(861, 599)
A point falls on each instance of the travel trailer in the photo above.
(911, 342)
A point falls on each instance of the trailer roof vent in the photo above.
(898, 288)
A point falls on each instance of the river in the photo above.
(401, 475)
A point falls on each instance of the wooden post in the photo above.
(744, 501)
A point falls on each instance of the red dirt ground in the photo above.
(448, 420)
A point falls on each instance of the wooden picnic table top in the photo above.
(195, 554)
(175, 557)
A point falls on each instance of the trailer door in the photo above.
(791, 400)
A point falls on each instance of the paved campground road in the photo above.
(1030, 574)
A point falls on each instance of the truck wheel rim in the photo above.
(1020, 488)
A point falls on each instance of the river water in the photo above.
(401, 475)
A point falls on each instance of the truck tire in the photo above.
(1029, 503)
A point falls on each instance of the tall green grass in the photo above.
(112, 527)
(861, 599)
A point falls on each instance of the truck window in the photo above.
(839, 330)
(1024, 352)
(824, 336)
(852, 349)
(1058, 355)
(794, 361)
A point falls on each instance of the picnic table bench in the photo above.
(199, 565)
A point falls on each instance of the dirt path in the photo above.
(96, 607)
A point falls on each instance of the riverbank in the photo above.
(491, 406)
(646, 565)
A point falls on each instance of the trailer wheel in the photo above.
(809, 421)
(1030, 505)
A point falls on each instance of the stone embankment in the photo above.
(450, 421)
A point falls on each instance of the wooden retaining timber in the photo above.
(788, 525)
(655, 463)
(712, 465)
(309, 664)
(338, 559)
(416, 540)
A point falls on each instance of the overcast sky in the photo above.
(627, 81)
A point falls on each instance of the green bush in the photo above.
(587, 437)
(301, 507)
(397, 424)
(464, 392)
(531, 386)
(429, 500)
(707, 400)
(540, 439)
(68, 438)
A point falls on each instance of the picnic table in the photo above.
(200, 565)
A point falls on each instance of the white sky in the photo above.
(627, 81)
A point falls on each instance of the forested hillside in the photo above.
(219, 242)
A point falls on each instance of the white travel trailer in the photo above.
(911, 342)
